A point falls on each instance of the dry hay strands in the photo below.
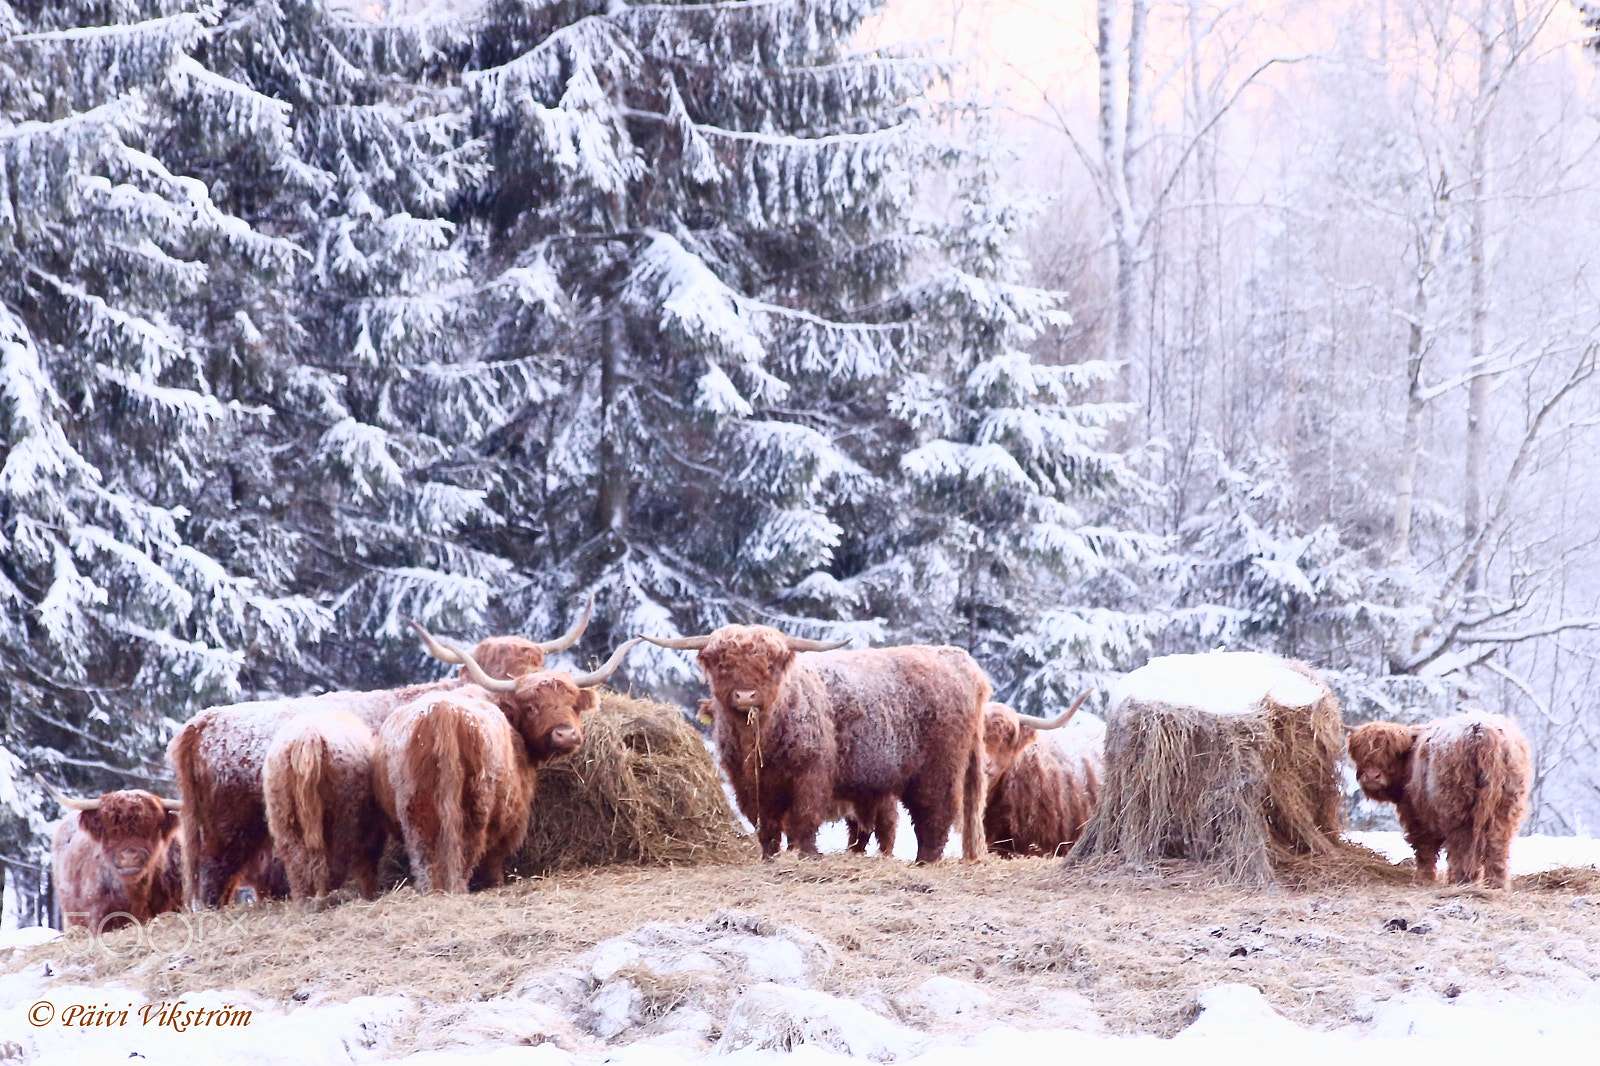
(1249, 792)
(1562, 879)
(642, 789)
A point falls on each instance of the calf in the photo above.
(1041, 790)
(454, 771)
(806, 732)
(115, 859)
(324, 819)
(219, 754)
(1457, 783)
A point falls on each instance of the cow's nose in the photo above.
(743, 698)
(565, 738)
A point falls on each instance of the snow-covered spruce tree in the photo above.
(792, 390)
(362, 489)
(114, 616)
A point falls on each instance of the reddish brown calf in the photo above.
(1457, 783)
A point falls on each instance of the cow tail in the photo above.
(308, 758)
(1491, 771)
(974, 790)
(447, 724)
(184, 755)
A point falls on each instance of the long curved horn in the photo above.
(602, 675)
(1056, 722)
(172, 805)
(807, 644)
(66, 800)
(478, 674)
(435, 649)
(567, 640)
(679, 643)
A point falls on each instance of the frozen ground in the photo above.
(862, 961)
(780, 1023)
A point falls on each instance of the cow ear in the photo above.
(169, 824)
(89, 822)
(587, 700)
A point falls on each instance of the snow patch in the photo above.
(1221, 683)
(1529, 854)
(774, 1017)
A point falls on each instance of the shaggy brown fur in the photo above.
(1457, 783)
(262, 878)
(1041, 790)
(455, 773)
(219, 754)
(117, 864)
(804, 737)
(325, 822)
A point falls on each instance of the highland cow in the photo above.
(454, 770)
(115, 859)
(1457, 783)
(804, 736)
(219, 754)
(1042, 789)
(324, 819)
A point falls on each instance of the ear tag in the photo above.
(704, 717)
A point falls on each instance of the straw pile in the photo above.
(642, 789)
(1231, 761)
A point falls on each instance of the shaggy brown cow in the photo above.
(219, 754)
(115, 859)
(1041, 791)
(324, 819)
(455, 770)
(804, 736)
(1460, 783)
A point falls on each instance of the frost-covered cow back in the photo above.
(220, 753)
(324, 819)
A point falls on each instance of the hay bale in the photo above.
(642, 789)
(1229, 760)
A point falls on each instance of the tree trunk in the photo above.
(1478, 387)
(1416, 349)
(611, 509)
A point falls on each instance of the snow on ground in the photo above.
(1218, 682)
(1529, 854)
(773, 1024)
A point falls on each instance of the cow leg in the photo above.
(1465, 868)
(809, 806)
(933, 814)
(886, 819)
(770, 833)
(860, 834)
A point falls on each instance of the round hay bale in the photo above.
(1229, 760)
(643, 788)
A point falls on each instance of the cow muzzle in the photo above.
(130, 861)
(565, 739)
(747, 699)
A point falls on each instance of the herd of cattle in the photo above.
(296, 796)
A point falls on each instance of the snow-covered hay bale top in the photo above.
(1227, 759)
(642, 789)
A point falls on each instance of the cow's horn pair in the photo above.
(696, 643)
(1058, 721)
(92, 805)
(450, 655)
(494, 684)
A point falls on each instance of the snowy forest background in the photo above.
(1230, 324)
